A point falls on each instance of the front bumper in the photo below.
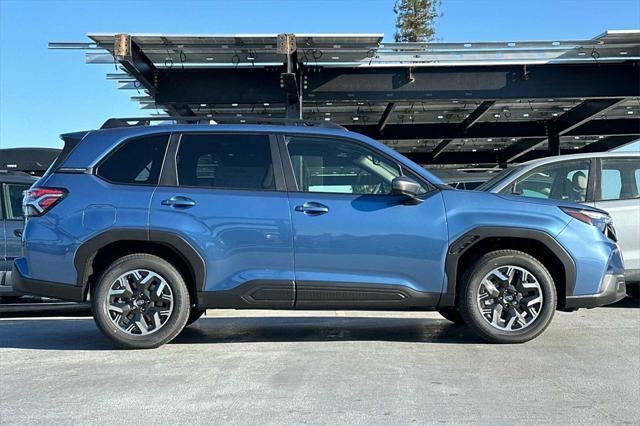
(54, 290)
(613, 289)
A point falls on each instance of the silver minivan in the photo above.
(607, 180)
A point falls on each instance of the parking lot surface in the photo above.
(333, 367)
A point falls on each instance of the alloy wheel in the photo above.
(140, 302)
(510, 298)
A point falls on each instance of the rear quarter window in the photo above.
(135, 162)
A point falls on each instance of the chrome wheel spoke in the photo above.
(510, 298)
(140, 302)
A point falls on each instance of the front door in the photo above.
(355, 244)
(228, 201)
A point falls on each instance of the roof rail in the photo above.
(113, 123)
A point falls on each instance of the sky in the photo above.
(44, 93)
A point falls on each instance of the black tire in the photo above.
(452, 314)
(194, 315)
(470, 285)
(173, 324)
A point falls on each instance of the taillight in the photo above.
(590, 217)
(599, 219)
(37, 201)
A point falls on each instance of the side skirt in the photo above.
(312, 295)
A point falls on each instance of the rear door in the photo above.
(224, 193)
(356, 245)
(619, 194)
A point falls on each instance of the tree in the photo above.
(415, 19)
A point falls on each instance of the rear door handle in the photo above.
(312, 208)
(179, 201)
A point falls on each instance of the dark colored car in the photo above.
(12, 187)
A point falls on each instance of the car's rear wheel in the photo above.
(452, 314)
(141, 301)
(507, 296)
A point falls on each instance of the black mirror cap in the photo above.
(403, 185)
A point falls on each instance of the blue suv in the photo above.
(155, 224)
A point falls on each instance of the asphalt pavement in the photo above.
(331, 367)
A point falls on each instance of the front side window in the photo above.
(12, 194)
(137, 162)
(560, 181)
(225, 161)
(338, 166)
(620, 179)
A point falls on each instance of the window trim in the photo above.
(598, 189)
(292, 185)
(588, 197)
(169, 175)
(96, 168)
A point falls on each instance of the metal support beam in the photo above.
(519, 148)
(562, 125)
(440, 147)
(138, 65)
(386, 114)
(608, 143)
(582, 113)
(514, 129)
(390, 84)
(596, 80)
(554, 144)
(477, 114)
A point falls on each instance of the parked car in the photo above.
(468, 179)
(155, 224)
(12, 186)
(606, 180)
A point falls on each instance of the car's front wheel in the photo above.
(507, 296)
(141, 301)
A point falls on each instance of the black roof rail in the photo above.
(113, 123)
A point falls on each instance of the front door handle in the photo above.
(179, 201)
(312, 208)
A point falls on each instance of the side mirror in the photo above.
(407, 187)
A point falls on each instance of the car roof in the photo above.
(12, 177)
(547, 160)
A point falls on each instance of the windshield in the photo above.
(499, 178)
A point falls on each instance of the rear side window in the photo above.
(620, 179)
(225, 161)
(13, 193)
(136, 162)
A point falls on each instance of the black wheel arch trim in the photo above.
(86, 252)
(476, 235)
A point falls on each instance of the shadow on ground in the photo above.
(82, 334)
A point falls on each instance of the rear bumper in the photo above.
(54, 290)
(613, 289)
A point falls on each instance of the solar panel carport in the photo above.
(439, 103)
